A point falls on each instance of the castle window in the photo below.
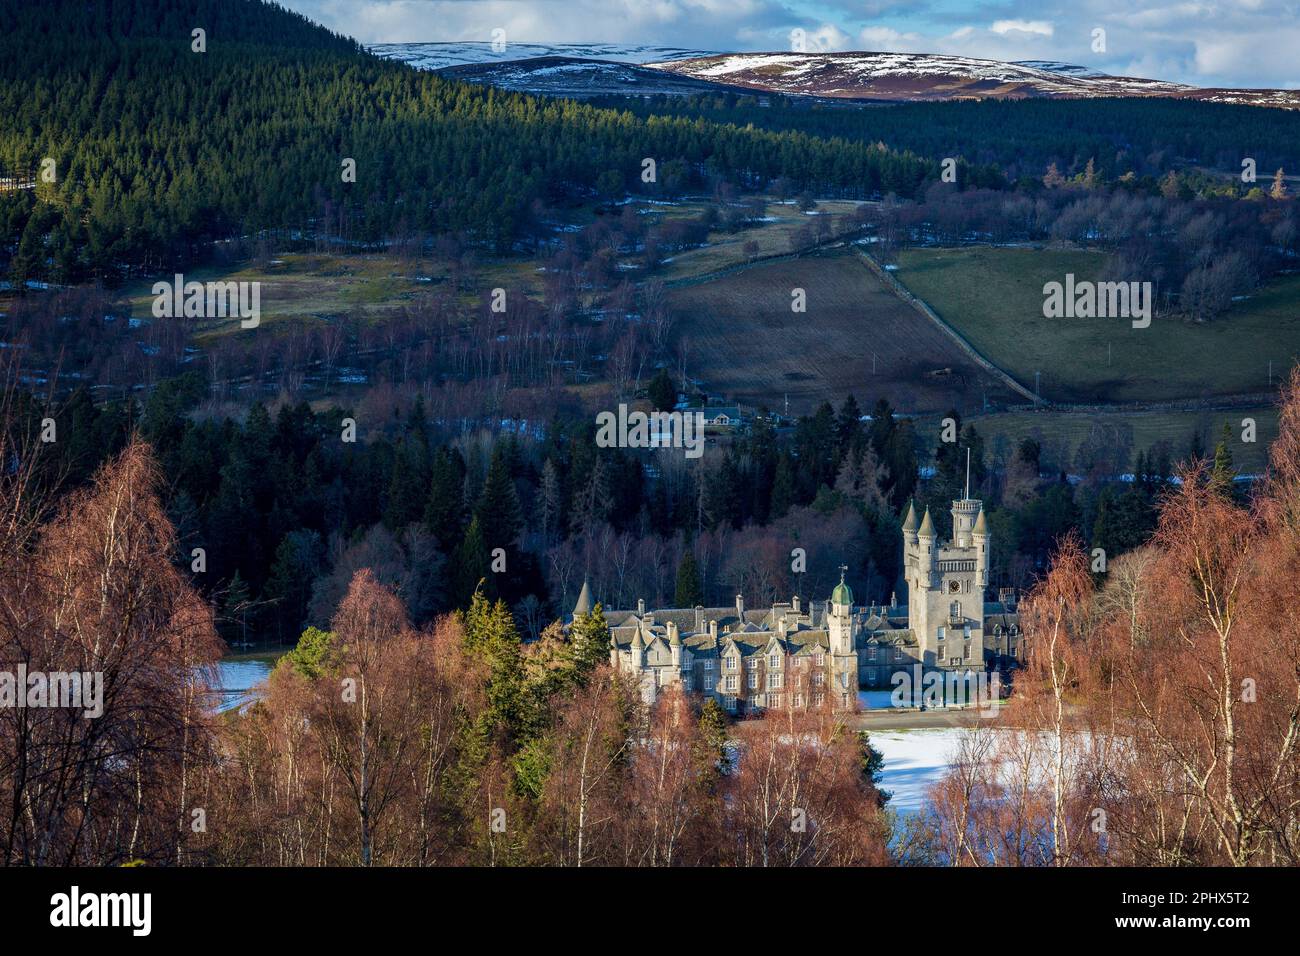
(756, 701)
(898, 653)
(708, 665)
(818, 680)
(821, 659)
(798, 700)
(871, 652)
(818, 699)
(943, 631)
(774, 681)
(708, 683)
(844, 679)
(774, 700)
(753, 680)
(731, 682)
(774, 660)
(731, 704)
(968, 650)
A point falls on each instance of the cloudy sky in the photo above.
(1206, 42)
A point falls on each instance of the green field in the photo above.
(994, 297)
(307, 287)
(726, 249)
(1062, 434)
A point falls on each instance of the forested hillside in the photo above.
(1142, 136)
(158, 149)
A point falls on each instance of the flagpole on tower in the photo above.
(968, 473)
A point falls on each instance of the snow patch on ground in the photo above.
(915, 760)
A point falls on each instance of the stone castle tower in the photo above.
(842, 639)
(946, 582)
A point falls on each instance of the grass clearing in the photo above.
(727, 249)
(739, 336)
(1074, 441)
(994, 297)
(309, 287)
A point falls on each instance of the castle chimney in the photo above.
(699, 619)
(795, 602)
(713, 630)
(640, 606)
(740, 607)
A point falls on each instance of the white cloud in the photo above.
(889, 40)
(1040, 27)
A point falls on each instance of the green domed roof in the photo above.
(842, 594)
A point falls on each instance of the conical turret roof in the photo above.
(585, 603)
(927, 526)
(909, 523)
(981, 526)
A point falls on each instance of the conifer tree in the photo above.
(498, 512)
(1222, 472)
(689, 591)
(444, 507)
(470, 566)
(589, 637)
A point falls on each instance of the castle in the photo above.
(792, 655)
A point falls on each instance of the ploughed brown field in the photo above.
(739, 337)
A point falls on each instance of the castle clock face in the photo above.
(954, 587)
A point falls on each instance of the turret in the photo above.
(980, 540)
(964, 514)
(909, 527)
(585, 602)
(925, 550)
(675, 644)
(638, 651)
(839, 618)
